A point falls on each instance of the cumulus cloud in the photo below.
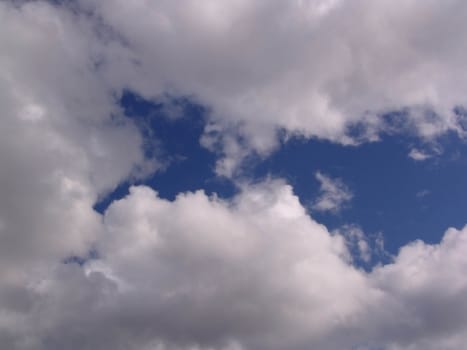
(311, 68)
(63, 140)
(429, 151)
(316, 68)
(252, 272)
(334, 194)
(255, 272)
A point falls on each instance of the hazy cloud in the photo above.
(423, 193)
(334, 194)
(418, 155)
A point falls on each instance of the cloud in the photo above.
(255, 272)
(252, 272)
(334, 194)
(423, 193)
(418, 155)
(431, 150)
(358, 243)
(311, 68)
(63, 141)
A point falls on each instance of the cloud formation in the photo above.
(63, 141)
(334, 194)
(255, 272)
(312, 68)
(420, 155)
(252, 272)
(359, 244)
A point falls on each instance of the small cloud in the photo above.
(379, 249)
(357, 239)
(423, 193)
(361, 247)
(334, 194)
(419, 155)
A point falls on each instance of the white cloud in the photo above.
(251, 273)
(357, 241)
(425, 283)
(63, 141)
(310, 67)
(254, 272)
(334, 194)
(431, 150)
(418, 155)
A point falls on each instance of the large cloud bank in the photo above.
(253, 272)
(311, 67)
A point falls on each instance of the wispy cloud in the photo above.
(356, 241)
(423, 193)
(419, 155)
(334, 194)
(362, 247)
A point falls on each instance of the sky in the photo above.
(233, 175)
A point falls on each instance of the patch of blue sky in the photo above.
(393, 194)
(172, 135)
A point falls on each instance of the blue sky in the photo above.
(233, 175)
(422, 198)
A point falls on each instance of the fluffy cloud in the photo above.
(317, 68)
(255, 272)
(63, 141)
(310, 67)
